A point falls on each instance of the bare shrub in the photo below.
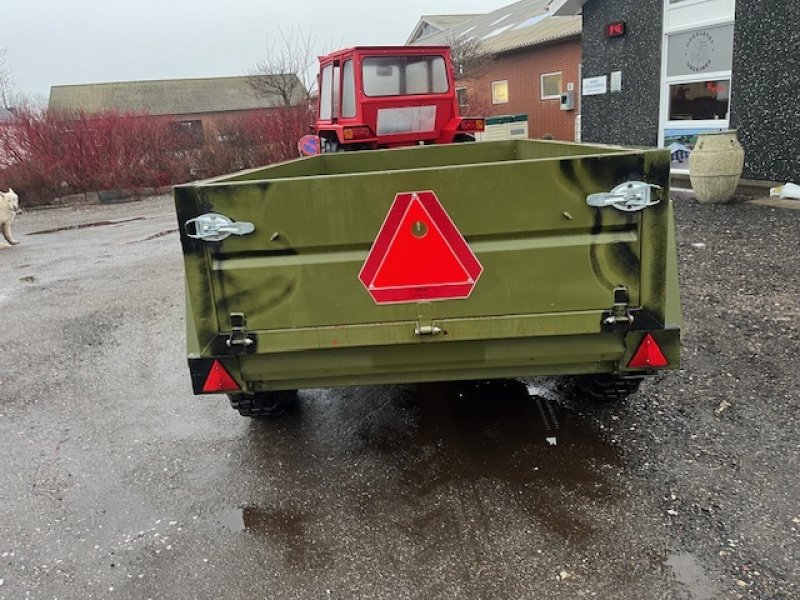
(45, 154)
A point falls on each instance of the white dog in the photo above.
(9, 209)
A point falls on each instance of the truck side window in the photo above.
(348, 90)
(439, 84)
(337, 92)
(325, 95)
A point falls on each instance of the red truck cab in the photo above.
(389, 96)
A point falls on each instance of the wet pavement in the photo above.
(116, 482)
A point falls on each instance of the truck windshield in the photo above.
(404, 75)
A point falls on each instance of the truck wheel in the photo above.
(264, 405)
(607, 388)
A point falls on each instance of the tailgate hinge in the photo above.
(619, 318)
(628, 197)
(239, 341)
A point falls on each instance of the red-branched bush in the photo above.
(253, 140)
(48, 154)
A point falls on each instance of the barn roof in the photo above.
(164, 97)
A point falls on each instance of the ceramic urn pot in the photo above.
(715, 166)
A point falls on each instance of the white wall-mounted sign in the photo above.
(593, 86)
(616, 81)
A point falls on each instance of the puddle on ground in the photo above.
(501, 432)
(508, 417)
(262, 521)
(417, 450)
(231, 519)
(86, 225)
(691, 576)
(285, 527)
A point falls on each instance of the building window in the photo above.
(500, 92)
(551, 86)
(699, 100)
(691, 54)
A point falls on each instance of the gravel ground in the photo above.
(717, 444)
(117, 483)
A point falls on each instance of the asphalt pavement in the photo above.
(117, 482)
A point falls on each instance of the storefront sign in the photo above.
(593, 86)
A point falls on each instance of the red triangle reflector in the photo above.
(219, 380)
(648, 355)
(419, 254)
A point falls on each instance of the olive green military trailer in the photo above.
(454, 262)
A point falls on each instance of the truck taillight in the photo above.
(472, 125)
(356, 133)
(648, 355)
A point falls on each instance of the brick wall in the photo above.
(210, 120)
(523, 70)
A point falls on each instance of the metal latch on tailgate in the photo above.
(213, 227)
(619, 318)
(628, 197)
(239, 341)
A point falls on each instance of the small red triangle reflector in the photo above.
(648, 355)
(219, 380)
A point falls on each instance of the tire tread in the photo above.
(608, 388)
(264, 405)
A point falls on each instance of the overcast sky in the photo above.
(53, 42)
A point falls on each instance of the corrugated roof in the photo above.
(518, 25)
(431, 24)
(164, 97)
(447, 21)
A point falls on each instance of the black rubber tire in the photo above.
(607, 388)
(264, 405)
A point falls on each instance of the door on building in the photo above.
(696, 73)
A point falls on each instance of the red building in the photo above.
(529, 59)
